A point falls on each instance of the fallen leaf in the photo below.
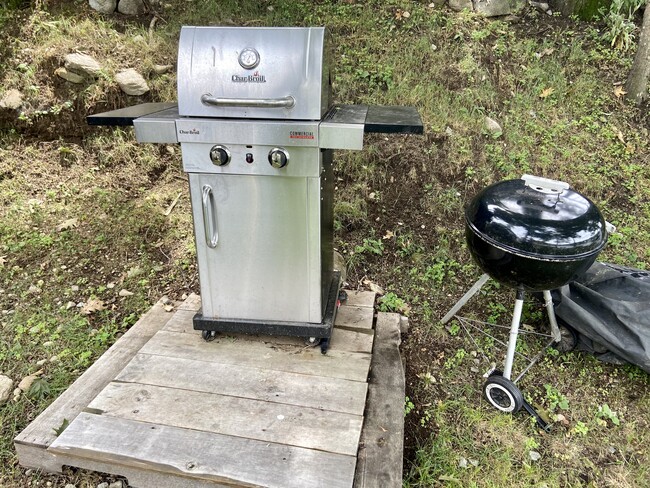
(620, 137)
(125, 293)
(67, 224)
(93, 305)
(59, 430)
(168, 308)
(389, 235)
(547, 92)
(2, 260)
(619, 91)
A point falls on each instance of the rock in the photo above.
(116, 484)
(543, 6)
(82, 63)
(493, 126)
(131, 7)
(103, 6)
(459, 5)
(34, 290)
(74, 288)
(6, 385)
(70, 485)
(131, 82)
(125, 293)
(17, 393)
(12, 99)
(26, 383)
(161, 69)
(534, 455)
(69, 75)
(102, 485)
(496, 8)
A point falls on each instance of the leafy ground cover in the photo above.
(86, 214)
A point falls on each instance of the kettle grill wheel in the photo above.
(503, 394)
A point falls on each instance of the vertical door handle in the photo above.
(209, 218)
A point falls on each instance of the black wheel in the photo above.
(503, 394)
(324, 345)
(568, 338)
(208, 335)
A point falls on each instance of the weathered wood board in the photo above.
(334, 394)
(176, 411)
(232, 461)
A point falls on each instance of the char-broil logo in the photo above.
(299, 134)
(254, 78)
(193, 132)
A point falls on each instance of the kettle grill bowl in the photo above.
(531, 239)
(530, 273)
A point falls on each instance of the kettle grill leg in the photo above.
(514, 332)
(555, 330)
(466, 298)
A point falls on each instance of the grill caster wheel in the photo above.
(503, 394)
(324, 345)
(312, 341)
(208, 335)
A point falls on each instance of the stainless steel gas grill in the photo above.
(257, 130)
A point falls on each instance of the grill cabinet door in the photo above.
(265, 263)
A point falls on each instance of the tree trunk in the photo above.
(637, 82)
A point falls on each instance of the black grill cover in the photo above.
(609, 307)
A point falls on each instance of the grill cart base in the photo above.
(315, 332)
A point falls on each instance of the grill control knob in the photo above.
(220, 155)
(278, 157)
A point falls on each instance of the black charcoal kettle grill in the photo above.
(532, 234)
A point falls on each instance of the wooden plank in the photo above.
(239, 417)
(201, 456)
(360, 298)
(182, 322)
(305, 360)
(40, 432)
(342, 339)
(354, 317)
(191, 303)
(382, 438)
(333, 394)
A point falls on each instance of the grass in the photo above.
(83, 214)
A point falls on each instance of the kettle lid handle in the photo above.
(544, 185)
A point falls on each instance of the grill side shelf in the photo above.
(393, 120)
(126, 116)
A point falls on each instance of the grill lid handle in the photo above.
(544, 185)
(284, 102)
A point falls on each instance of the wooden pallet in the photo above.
(164, 408)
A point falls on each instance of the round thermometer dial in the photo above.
(249, 58)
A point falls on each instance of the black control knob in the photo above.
(220, 155)
(278, 157)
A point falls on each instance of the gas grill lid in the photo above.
(254, 72)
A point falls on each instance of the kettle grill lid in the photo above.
(537, 217)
